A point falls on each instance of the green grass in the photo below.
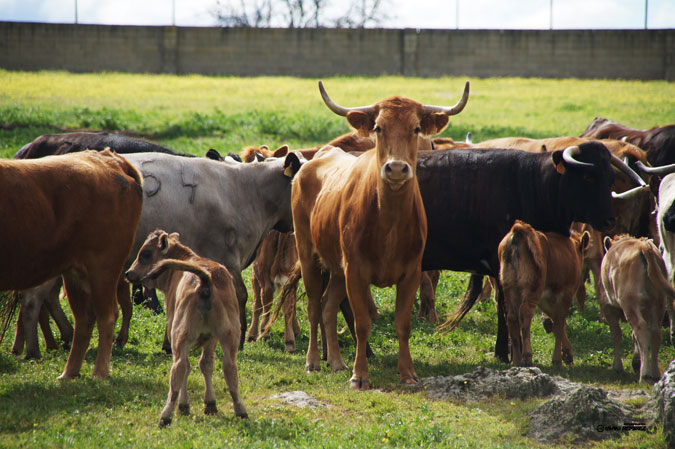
(194, 113)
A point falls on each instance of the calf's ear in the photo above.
(585, 240)
(281, 151)
(558, 162)
(607, 243)
(291, 164)
(164, 243)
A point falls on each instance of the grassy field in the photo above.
(194, 113)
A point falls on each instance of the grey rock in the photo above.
(299, 399)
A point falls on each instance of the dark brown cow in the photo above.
(658, 142)
(74, 215)
(363, 220)
(539, 269)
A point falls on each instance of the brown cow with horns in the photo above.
(364, 221)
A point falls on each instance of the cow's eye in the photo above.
(418, 130)
(145, 257)
(377, 129)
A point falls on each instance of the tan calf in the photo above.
(636, 290)
(272, 267)
(539, 269)
(201, 310)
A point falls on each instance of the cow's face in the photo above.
(156, 247)
(586, 189)
(397, 125)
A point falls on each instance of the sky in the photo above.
(436, 14)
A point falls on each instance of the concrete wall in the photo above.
(628, 54)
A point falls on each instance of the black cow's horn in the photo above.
(568, 156)
(340, 110)
(660, 171)
(454, 110)
(630, 193)
(626, 170)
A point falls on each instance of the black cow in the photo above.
(472, 198)
(52, 144)
(658, 142)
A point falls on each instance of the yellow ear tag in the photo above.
(560, 168)
(289, 171)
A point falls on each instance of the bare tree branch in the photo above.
(298, 13)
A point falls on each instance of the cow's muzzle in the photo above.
(132, 277)
(396, 172)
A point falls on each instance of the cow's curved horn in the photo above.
(630, 193)
(340, 110)
(568, 156)
(453, 110)
(626, 170)
(660, 171)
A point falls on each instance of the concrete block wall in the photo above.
(627, 54)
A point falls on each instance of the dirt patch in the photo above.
(575, 411)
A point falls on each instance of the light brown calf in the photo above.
(201, 310)
(272, 267)
(636, 290)
(539, 269)
(73, 215)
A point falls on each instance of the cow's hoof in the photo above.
(312, 367)
(120, 341)
(290, 346)
(184, 409)
(528, 363)
(210, 408)
(410, 381)
(337, 366)
(163, 422)
(359, 384)
(31, 355)
(242, 415)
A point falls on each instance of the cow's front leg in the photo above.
(358, 294)
(405, 299)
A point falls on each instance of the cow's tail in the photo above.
(470, 298)
(206, 283)
(289, 288)
(9, 302)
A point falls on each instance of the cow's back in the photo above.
(64, 211)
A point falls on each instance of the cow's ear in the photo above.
(164, 243)
(585, 241)
(434, 123)
(607, 243)
(291, 164)
(213, 154)
(175, 236)
(281, 151)
(363, 123)
(558, 162)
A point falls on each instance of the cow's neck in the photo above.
(396, 206)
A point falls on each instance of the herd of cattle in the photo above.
(384, 205)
